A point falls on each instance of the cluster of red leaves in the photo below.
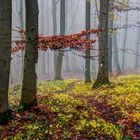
(74, 41)
(130, 127)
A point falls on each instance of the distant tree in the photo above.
(112, 43)
(137, 49)
(103, 73)
(116, 55)
(54, 21)
(125, 37)
(42, 54)
(87, 60)
(59, 62)
(5, 53)
(28, 97)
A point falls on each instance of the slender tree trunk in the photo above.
(5, 52)
(116, 56)
(87, 60)
(125, 38)
(110, 38)
(43, 54)
(59, 62)
(137, 49)
(54, 14)
(28, 97)
(48, 29)
(22, 26)
(103, 74)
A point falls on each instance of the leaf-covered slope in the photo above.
(72, 110)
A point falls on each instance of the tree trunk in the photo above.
(21, 14)
(125, 39)
(42, 53)
(137, 49)
(87, 60)
(54, 12)
(116, 56)
(110, 38)
(22, 26)
(5, 54)
(28, 97)
(59, 62)
(102, 77)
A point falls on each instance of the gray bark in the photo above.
(102, 77)
(125, 38)
(5, 52)
(110, 38)
(54, 18)
(87, 60)
(22, 26)
(28, 97)
(137, 49)
(43, 63)
(59, 62)
(116, 55)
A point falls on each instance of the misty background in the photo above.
(73, 62)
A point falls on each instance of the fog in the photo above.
(73, 62)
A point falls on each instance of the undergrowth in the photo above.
(79, 112)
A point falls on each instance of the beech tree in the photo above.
(5, 53)
(59, 61)
(22, 26)
(110, 37)
(28, 97)
(112, 46)
(54, 22)
(116, 55)
(137, 48)
(125, 37)
(87, 62)
(103, 72)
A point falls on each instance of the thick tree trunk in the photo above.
(21, 14)
(102, 77)
(59, 62)
(87, 60)
(5, 52)
(28, 97)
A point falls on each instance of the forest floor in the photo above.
(72, 110)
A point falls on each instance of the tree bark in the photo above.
(103, 74)
(5, 52)
(87, 60)
(43, 54)
(125, 39)
(116, 55)
(110, 37)
(54, 14)
(59, 62)
(28, 97)
(137, 49)
(22, 26)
